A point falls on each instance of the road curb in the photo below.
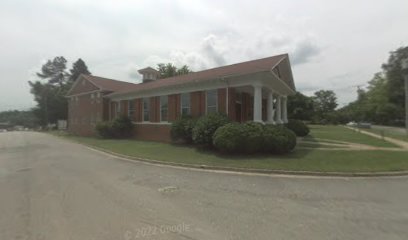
(251, 170)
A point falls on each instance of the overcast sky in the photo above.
(332, 44)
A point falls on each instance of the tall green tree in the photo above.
(169, 70)
(325, 102)
(50, 90)
(54, 71)
(395, 80)
(79, 67)
(300, 107)
(382, 102)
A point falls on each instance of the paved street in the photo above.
(54, 189)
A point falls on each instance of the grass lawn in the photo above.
(340, 133)
(299, 160)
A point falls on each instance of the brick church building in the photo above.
(249, 91)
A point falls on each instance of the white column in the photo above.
(284, 109)
(279, 110)
(270, 110)
(257, 104)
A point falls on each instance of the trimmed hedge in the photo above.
(298, 127)
(121, 127)
(182, 129)
(252, 138)
(206, 126)
(230, 138)
(104, 129)
(278, 139)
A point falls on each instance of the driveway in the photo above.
(54, 189)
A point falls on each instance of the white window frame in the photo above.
(167, 108)
(147, 99)
(216, 100)
(189, 103)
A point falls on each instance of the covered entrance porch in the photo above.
(258, 104)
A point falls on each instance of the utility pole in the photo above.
(404, 66)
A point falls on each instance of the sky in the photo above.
(332, 45)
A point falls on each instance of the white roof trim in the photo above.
(80, 77)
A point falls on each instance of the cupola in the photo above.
(149, 74)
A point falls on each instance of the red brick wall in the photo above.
(84, 114)
(85, 110)
(153, 132)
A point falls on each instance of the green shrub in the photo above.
(104, 129)
(230, 138)
(121, 127)
(253, 137)
(278, 139)
(206, 126)
(182, 129)
(298, 127)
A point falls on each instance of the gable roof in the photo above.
(103, 84)
(259, 65)
(147, 69)
(106, 84)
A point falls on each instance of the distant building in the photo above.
(250, 91)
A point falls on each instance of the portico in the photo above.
(268, 106)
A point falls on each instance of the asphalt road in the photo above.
(54, 189)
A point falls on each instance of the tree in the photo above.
(169, 70)
(54, 71)
(325, 102)
(382, 102)
(22, 118)
(183, 70)
(51, 102)
(79, 67)
(395, 80)
(300, 107)
(50, 95)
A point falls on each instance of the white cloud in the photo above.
(325, 39)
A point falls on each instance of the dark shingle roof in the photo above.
(259, 65)
(106, 84)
